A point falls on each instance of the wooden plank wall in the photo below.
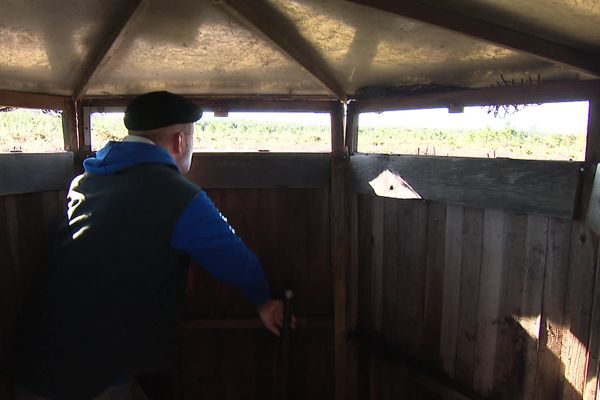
(24, 225)
(289, 231)
(499, 302)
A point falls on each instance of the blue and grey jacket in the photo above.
(116, 280)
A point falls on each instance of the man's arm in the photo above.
(203, 233)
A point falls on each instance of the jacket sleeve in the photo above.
(203, 233)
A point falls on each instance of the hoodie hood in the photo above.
(117, 156)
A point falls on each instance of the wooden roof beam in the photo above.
(490, 32)
(271, 24)
(113, 41)
(12, 98)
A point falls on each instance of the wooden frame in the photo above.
(528, 94)
(576, 178)
(47, 102)
(223, 104)
(239, 103)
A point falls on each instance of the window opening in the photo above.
(550, 131)
(238, 132)
(24, 130)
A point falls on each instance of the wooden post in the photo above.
(339, 253)
(352, 128)
(592, 153)
(592, 157)
(69, 120)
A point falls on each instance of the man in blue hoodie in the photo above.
(110, 305)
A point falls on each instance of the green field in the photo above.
(35, 131)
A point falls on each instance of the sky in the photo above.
(546, 118)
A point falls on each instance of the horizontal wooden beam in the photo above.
(275, 27)
(35, 172)
(233, 104)
(252, 324)
(260, 170)
(11, 98)
(490, 32)
(415, 371)
(111, 42)
(538, 187)
(528, 94)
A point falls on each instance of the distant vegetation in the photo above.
(35, 131)
(508, 142)
(31, 131)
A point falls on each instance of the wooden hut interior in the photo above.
(481, 282)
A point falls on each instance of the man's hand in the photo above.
(271, 315)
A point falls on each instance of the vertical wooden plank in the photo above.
(69, 122)
(451, 291)
(339, 251)
(410, 257)
(351, 128)
(377, 256)
(531, 306)
(353, 296)
(579, 305)
(549, 379)
(469, 295)
(391, 320)
(434, 282)
(376, 208)
(593, 156)
(8, 295)
(592, 149)
(509, 368)
(591, 379)
(488, 313)
(404, 281)
(363, 243)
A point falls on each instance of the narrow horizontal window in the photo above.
(261, 131)
(550, 131)
(238, 132)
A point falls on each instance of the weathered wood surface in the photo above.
(113, 40)
(493, 32)
(540, 187)
(258, 170)
(269, 22)
(509, 297)
(25, 221)
(33, 172)
(31, 100)
(289, 230)
(243, 365)
(233, 103)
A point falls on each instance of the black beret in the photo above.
(159, 109)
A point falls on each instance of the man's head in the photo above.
(168, 120)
